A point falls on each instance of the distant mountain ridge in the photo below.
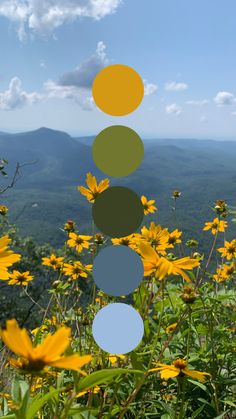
(203, 170)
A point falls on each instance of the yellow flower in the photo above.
(20, 278)
(171, 328)
(100, 301)
(188, 295)
(37, 385)
(156, 236)
(36, 358)
(69, 226)
(114, 358)
(93, 390)
(79, 241)
(10, 403)
(178, 367)
(94, 189)
(7, 257)
(174, 238)
(221, 208)
(41, 328)
(163, 267)
(53, 261)
(48, 322)
(176, 194)
(224, 272)
(76, 270)
(216, 225)
(229, 250)
(3, 210)
(129, 241)
(52, 322)
(99, 239)
(148, 206)
(168, 397)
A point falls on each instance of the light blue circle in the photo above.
(118, 328)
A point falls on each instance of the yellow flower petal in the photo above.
(186, 263)
(198, 375)
(54, 345)
(16, 339)
(72, 362)
(169, 373)
(147, 252)
(91, 182)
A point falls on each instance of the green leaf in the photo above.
(221, 416)
(167, 409)
(136, 361)
(38, 403)
(86, 415)
(15, 391)
(196, 413)
(82, 411)
(196, 383)
(229, 402)
(147, 328)
(103, 377)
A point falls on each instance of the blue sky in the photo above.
(185, 52)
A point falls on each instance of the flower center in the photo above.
(33, 365)
(231, 249)
(172, 240)
(180, 364)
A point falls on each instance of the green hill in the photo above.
(46, 196)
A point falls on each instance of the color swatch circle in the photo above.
(117, 270)
(118, 328)
(118, 151)
(118, 211)
(118, 89)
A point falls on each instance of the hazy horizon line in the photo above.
(144, 136)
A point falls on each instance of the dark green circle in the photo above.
(118, 151)
(118, 211)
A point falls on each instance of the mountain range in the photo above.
(46, 195)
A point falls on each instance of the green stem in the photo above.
(208, 261)
(142, 381)
(182, 385)
(189, 332)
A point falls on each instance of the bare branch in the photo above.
(17, 175)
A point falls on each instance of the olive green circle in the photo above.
(118, 211)
(118, 151)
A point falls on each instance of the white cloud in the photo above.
(224, 98)
(176, 87)
(84, 75)
(197, 102)
(44, 16)
(80, 96)
(173, 109)
(76, 84)
(149, 88)
(15, 97)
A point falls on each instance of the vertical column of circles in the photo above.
(118, 211)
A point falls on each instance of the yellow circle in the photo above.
(118, 90)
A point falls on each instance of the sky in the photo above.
(51, 50)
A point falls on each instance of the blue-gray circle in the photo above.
(118, 270)
(118, 328)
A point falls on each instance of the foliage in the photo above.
(189, 318)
